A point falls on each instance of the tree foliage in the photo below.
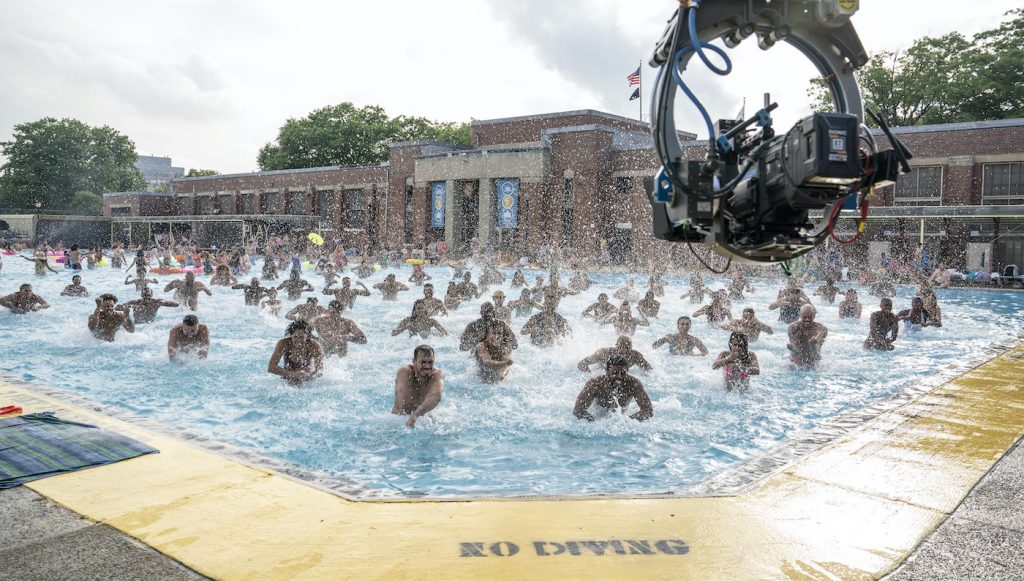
(944, 79)
(196, 172)
(346, 135)
(86, 204)
(49, 160)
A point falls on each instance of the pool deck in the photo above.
(856, 508)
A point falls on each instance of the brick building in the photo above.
(572, 179)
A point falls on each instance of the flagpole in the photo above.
(641, 91)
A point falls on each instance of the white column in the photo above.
(488, 222)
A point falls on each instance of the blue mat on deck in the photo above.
(35, 446)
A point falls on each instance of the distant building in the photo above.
(157, 171)
(573, 179)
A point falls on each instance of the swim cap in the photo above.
(190, 320)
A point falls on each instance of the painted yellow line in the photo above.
(853, 509)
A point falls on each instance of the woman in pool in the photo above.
(300, 353)
(737, 364)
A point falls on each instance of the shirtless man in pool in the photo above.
(336, 332)
(300, 354)
(682, 343)
(806, 338)
(24, 301)
(105, 321)
(418, 386)
(190, 336)
(145, 309)
(612, 391)
(187, 291)
(883, 328)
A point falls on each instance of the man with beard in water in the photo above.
(418, 386)
(336, 332)
(612, 391)
(145, 309)
(302, 357)
(105, 321)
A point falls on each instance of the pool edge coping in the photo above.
(787, 472)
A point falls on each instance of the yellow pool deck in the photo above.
(853, 509)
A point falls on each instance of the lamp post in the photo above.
(35, 222)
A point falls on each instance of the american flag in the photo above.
(634, 79)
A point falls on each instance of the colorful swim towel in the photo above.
(38, 445)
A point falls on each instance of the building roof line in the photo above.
(286, 171)
(637, 122)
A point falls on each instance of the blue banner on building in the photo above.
(437, 193)
(508, 203)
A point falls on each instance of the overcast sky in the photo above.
(207, 83)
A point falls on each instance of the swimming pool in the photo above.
(514, 438)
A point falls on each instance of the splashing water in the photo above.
(516, 437)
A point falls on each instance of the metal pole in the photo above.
(921, 240)
(641, 91)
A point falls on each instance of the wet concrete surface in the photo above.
(41, 540)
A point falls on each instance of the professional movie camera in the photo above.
(750, 197)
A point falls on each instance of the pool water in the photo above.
(517, 437)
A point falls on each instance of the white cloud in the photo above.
(208, 83)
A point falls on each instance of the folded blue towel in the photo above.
(35, 446)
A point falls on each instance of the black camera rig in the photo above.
(750, 197)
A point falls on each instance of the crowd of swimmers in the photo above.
(316, 332)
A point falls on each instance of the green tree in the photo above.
(50, 159)
(997, 69)
(196, 173)
(944, 79)
(86, 204)
(346, 135)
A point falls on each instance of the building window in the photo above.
(121, 211)
(567, 202)
(355, 209)
(410, 214)
(624, 185)
(226, 204)
(249, 203)
(921, 187)
(204, 204)
(1002, 183)
(185, 206)
(270, 203)
(325, 205)
(297, 202)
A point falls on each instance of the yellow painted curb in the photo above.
(854, 509)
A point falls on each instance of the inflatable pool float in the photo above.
(376, 267)
(9, 253)
(167, 270)
(415, 261)
(308, 265)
